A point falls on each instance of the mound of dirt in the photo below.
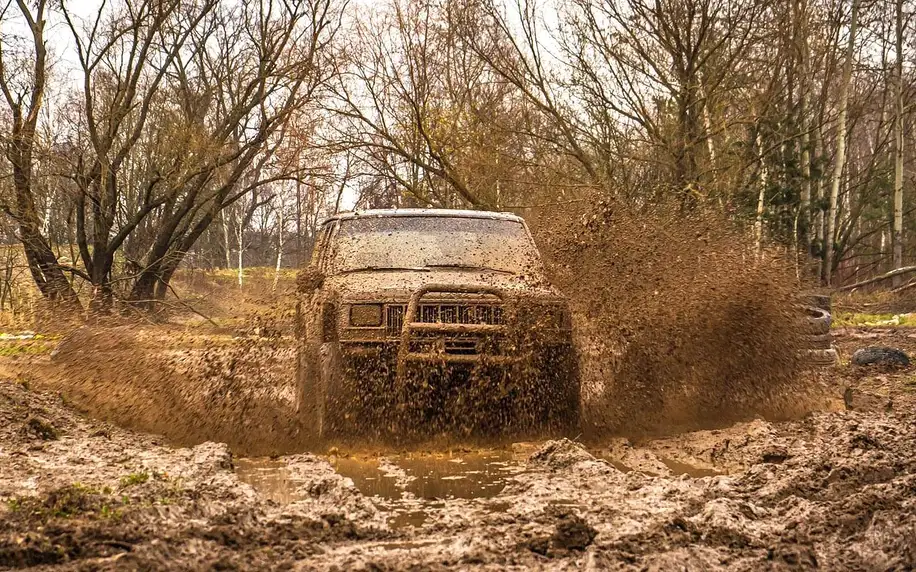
(103, 498)
(680, 323)
(560, 454)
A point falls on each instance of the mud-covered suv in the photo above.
(416, 320)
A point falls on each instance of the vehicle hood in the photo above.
(395, 286)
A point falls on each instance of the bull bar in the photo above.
(410, 326)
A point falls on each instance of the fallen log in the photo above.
(885, 276)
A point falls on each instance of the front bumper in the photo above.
(387, 353)
(456, 325)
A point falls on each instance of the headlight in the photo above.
(545, 317)
(366, 315)
(555, 318)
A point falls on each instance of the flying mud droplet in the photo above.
(680, 324)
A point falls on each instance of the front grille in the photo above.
(446, 313)
(461, 314)
(394, 319)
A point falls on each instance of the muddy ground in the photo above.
(833, 489)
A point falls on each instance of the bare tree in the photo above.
(898, 141)
(841, 134)
(24, 85)
(221, 81)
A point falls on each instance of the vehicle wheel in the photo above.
(309, 397)
(334, 395)
(571, 400)
(566, 416)
(553, 401)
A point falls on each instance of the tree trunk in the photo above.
(898, 148)
(819, 218)
(240, 237)
(761, 197)
(279, 245)
(49, 208)
(801, 36)
(102, 300)
(43, 263)
(685, 154)
(298, 219)
(707, 131)
(228, 247)
(143, 293)
(807, 228)
(840, 161)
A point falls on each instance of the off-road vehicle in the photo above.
(420, 319)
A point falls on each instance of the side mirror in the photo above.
(309, 280)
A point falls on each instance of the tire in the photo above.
(821, 358)
(821, 301)
(569, 417)
(817, 341)
(322, 398)
(555, 397)
(333, 395)
(880, 355)
(817, 320)
(310, 400)
(570, 414)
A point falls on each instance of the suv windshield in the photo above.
(416, 243)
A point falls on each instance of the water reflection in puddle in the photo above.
(419, 476)
(270, 477)
(431, 476)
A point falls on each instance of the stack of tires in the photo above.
(817, 343)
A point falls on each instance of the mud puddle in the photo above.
(424, 477)
(429, 477)
(409, 487)
(271, 478)
(652, 463)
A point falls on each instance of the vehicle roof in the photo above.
(453, 213)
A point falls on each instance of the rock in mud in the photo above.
(560, 454)
(42, 429)
(880, 355)
(856, 400)
(573, 533)
(775, 454)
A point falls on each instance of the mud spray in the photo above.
(679, 325)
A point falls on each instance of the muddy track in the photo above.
(833, 490)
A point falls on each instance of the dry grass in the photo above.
(212, 293)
